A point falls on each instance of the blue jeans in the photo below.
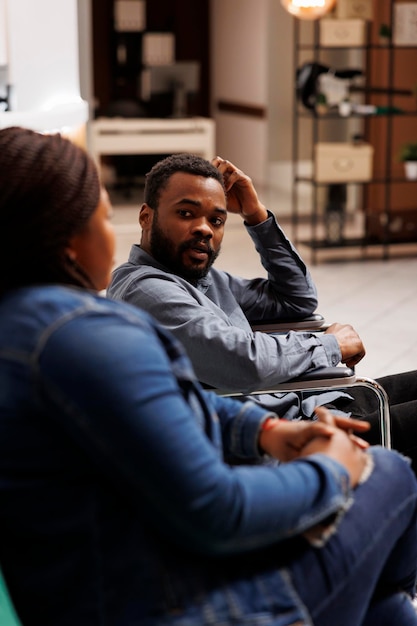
(330, 580)
(364, 575)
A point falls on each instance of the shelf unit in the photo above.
(118, 58)
(381, 212)
(118, 61)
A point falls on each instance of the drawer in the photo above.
(355, 8)
(343, 162)
(342, 33)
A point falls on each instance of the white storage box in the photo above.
(343, 162)
(342, 33)
(355, 8)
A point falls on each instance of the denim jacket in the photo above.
(116, 507)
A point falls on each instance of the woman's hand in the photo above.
(342, 445)
(285, 439)
(289, 440)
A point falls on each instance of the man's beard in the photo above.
(163, 250)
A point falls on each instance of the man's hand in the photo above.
(241, 194)
(350, 343)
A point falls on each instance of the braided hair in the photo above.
(49, 188)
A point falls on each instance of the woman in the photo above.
(116, 507)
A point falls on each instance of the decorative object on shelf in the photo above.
(354, 8)
(321, 104)
(399, 226)
(405, 24)
(308, 9)
(345, 107)
(410, 168)
(335, 213)
(158, 48)
(335, 89)
(5, 101)
(408, 156)
(129, 16)
(384, 34)
(314, 78)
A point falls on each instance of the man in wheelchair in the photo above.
(171, 275)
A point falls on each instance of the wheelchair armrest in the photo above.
(314, 322)
(337, 376)
(320, 378)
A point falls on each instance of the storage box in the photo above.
(129, 16)
(354, 8)
(343, 162)
(342, 33)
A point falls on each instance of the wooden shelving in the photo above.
(387, 201)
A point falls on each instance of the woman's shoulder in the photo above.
(54, 305)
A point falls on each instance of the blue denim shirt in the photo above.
(115, 505)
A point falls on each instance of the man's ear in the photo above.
(145, 216)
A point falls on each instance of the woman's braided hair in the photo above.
(49, 188)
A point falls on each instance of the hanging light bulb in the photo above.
(308, 9)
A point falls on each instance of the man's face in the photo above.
(186, 231)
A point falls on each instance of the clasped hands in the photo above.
(330, 435)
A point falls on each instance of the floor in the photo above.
(378, 297)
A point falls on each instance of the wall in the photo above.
(3, 35)
(239, 54)
(43, 63)
(85, 56)
(252, 88)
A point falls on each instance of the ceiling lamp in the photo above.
(308, 9)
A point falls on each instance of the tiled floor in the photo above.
(379, 298)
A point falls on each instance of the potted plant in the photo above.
(321, 104)
(408, 156)
(384, 34)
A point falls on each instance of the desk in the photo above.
(120, 135)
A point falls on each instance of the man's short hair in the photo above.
(157, 178)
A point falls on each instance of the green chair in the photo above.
(8, 616)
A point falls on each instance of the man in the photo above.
(170, 275)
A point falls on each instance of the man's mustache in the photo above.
(200, 244)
